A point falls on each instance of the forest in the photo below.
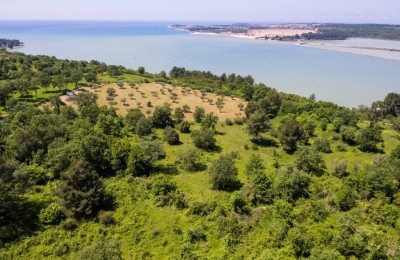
(292, 178)
(344, 31)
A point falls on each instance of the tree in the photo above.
(162, 117)
(85, 99)
(209, 121)
(368, 138)
(179, 115)
(223, 173)
(141, 70)
(310, 161)
(260, 184)
(76, 76)
(81, 191)
(257, 123)
(184, 127)
(44, 80)
(290, 134)
(120, 84)
(132, 117)
(123, 100)
(144, 126)
(171, 136)
(322, 144)
(199, 114)
(142, 158)
(111, 91)
(190, 160)
(91, 77)
(291, 184)
(204, 139)
(220, 104)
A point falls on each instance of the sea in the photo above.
(344, 78)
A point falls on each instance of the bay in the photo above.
(344, 78)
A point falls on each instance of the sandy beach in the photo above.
(360, 49)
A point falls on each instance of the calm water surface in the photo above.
(346, 79)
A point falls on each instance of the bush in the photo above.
(144, 126)
(69, 224)
(310, 161)
(106, 217)
(322, 144)
(341, 147)
(194, 235)
(204, 139)
(52, 214)
(162, 117)
(199, 114)
(223, 173)
(184, 127)
(239, 203)
(171, 136)
(142, 157)
(209, 121)
(368, 138)
(339, 168)
(228, 121)
(190, 160)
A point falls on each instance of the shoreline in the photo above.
(322, 45)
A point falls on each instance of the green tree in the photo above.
(179, 115)
(220, 104)
(260, 184)
(310, 161)
(199, 114)
(223, 173)
(86, 99)
(204, 139)
(290, 134)
(171, 136)
(368, 138)
(209, 121)
(81, 191)
(190, 160)
(144, 126)
(76, 76)
(142, 158)
(184, 127)
(258, 123)
(162, 117)
(132, 117)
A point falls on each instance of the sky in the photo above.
(346, 11)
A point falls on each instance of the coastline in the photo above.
(374, 52)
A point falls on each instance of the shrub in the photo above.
(368, 138)
(310, 161)
(184, 127)
(198, 114)
(142, 157)
(339, 168)
(209, 121)
(223, 173)
(162, 117)
(144, 126)
(190, 160)
(194, 235)
(341, 147)
(52, 214)
(204, 139)
(69, 224)
(228, 121)
(239, 203)
(322, 144)
(106, 217)
(171, 136)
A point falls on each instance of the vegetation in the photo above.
(87, 181)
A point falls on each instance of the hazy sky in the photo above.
(357, 11)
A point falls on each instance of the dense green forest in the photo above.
(344, 31)
(296, 178)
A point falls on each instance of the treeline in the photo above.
(344, 31)
(7, 43)
(227, 85)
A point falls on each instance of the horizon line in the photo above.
(188, 21)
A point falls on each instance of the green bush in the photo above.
(171, 136)
(184, 127)
(51, 215)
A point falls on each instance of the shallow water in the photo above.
(346, 79)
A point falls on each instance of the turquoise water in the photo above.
(346, 79)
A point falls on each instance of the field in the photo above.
(157, 94)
